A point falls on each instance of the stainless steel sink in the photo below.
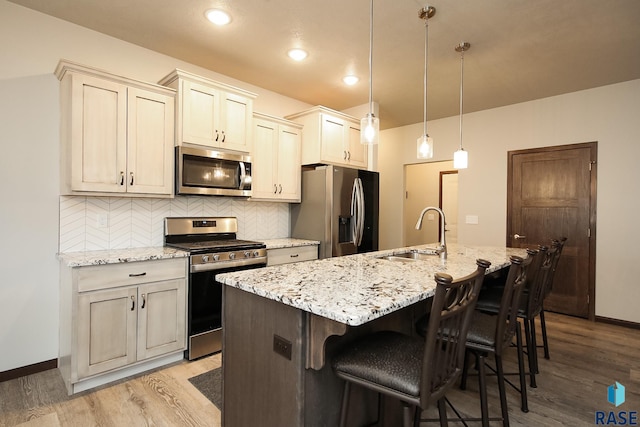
(412, 255)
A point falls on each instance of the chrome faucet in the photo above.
(442, 249)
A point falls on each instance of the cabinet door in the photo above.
(98, 134)
(236, 118)
(357, 156)
(161, 318)
(150, 142)
(333, 140)
(263, 173)
(106, 330)
(288, 169)
(200, 114)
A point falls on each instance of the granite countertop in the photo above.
(356, 289)
(115, 256)
(288, 243)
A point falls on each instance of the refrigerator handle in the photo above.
(360, 212)
(354, 212)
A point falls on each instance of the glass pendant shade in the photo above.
(424, 147)
(460, 159)
(369, 129)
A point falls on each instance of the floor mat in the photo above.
(210, 385)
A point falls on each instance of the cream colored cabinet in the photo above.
(119, 316)
(276, 173)
(116, 134)
(211, 114)
(331, 137)
(277, 256)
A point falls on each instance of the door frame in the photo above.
(593, 146)
(442, 173)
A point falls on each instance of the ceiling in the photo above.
(520, 49)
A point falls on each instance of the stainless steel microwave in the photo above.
(214, 173)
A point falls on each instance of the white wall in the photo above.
(609, 115)
(32, 44)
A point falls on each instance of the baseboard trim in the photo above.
(28, 370)
(625, 323)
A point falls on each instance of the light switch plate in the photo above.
(471, 219)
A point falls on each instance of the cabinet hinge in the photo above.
(406, 194)
(589, 232)
(591, 163)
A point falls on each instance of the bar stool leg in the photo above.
(502, 391)
(524, 406)
(482, 384)
(345, 403)
(545, 342)
(530, 350)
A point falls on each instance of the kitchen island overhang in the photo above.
(282, 324)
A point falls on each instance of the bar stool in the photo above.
(416, 371)
(491, 334)
(559, 243)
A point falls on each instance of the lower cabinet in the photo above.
(121, 316)
(288, 255)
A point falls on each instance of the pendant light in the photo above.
(370, 124)
(461, 157)
(424, 144)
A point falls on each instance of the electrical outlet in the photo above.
(282, 346)
(102, 220)
(430, 217)
(471, 219)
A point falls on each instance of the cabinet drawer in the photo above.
(294, 254)
(129, 273)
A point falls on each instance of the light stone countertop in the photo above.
(288, 242)
(356, 289)
(115, 256)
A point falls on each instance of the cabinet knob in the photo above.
(223, 136)
(344, 156)
(280, 187)
(348, 155)
(217, 135)
(131, 182)
(121, 177)
(275, 189)
(133, 303)
(144, 300)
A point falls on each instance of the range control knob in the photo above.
(232, 255)
(216, 257)
(205, 258)
(256, 253)
(247, 254)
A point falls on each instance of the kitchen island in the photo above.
(282, 324)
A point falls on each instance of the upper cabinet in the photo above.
(331, 137)
(211, 114)
(276, 171)
(116, 134)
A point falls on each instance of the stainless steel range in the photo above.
(214, 249)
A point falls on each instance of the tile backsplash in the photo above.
(96, 223)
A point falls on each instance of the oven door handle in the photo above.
(197, 268)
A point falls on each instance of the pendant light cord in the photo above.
(426, 50)
(461, 91)
(371, 60)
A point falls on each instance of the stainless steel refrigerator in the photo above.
(339, 207)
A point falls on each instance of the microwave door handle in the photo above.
(243, 175)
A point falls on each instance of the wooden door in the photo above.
(106, 330)
(289, 156)
(357, 152)
(200, 114)
(150, 142)
(98, 135)
(236, 118)
(161, 318)
(551, 194)
(333, 140)
(264, 151)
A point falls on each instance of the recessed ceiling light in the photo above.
(217, 16)
(297, 54)
(350, 80)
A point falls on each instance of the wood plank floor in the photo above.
(585, 359)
